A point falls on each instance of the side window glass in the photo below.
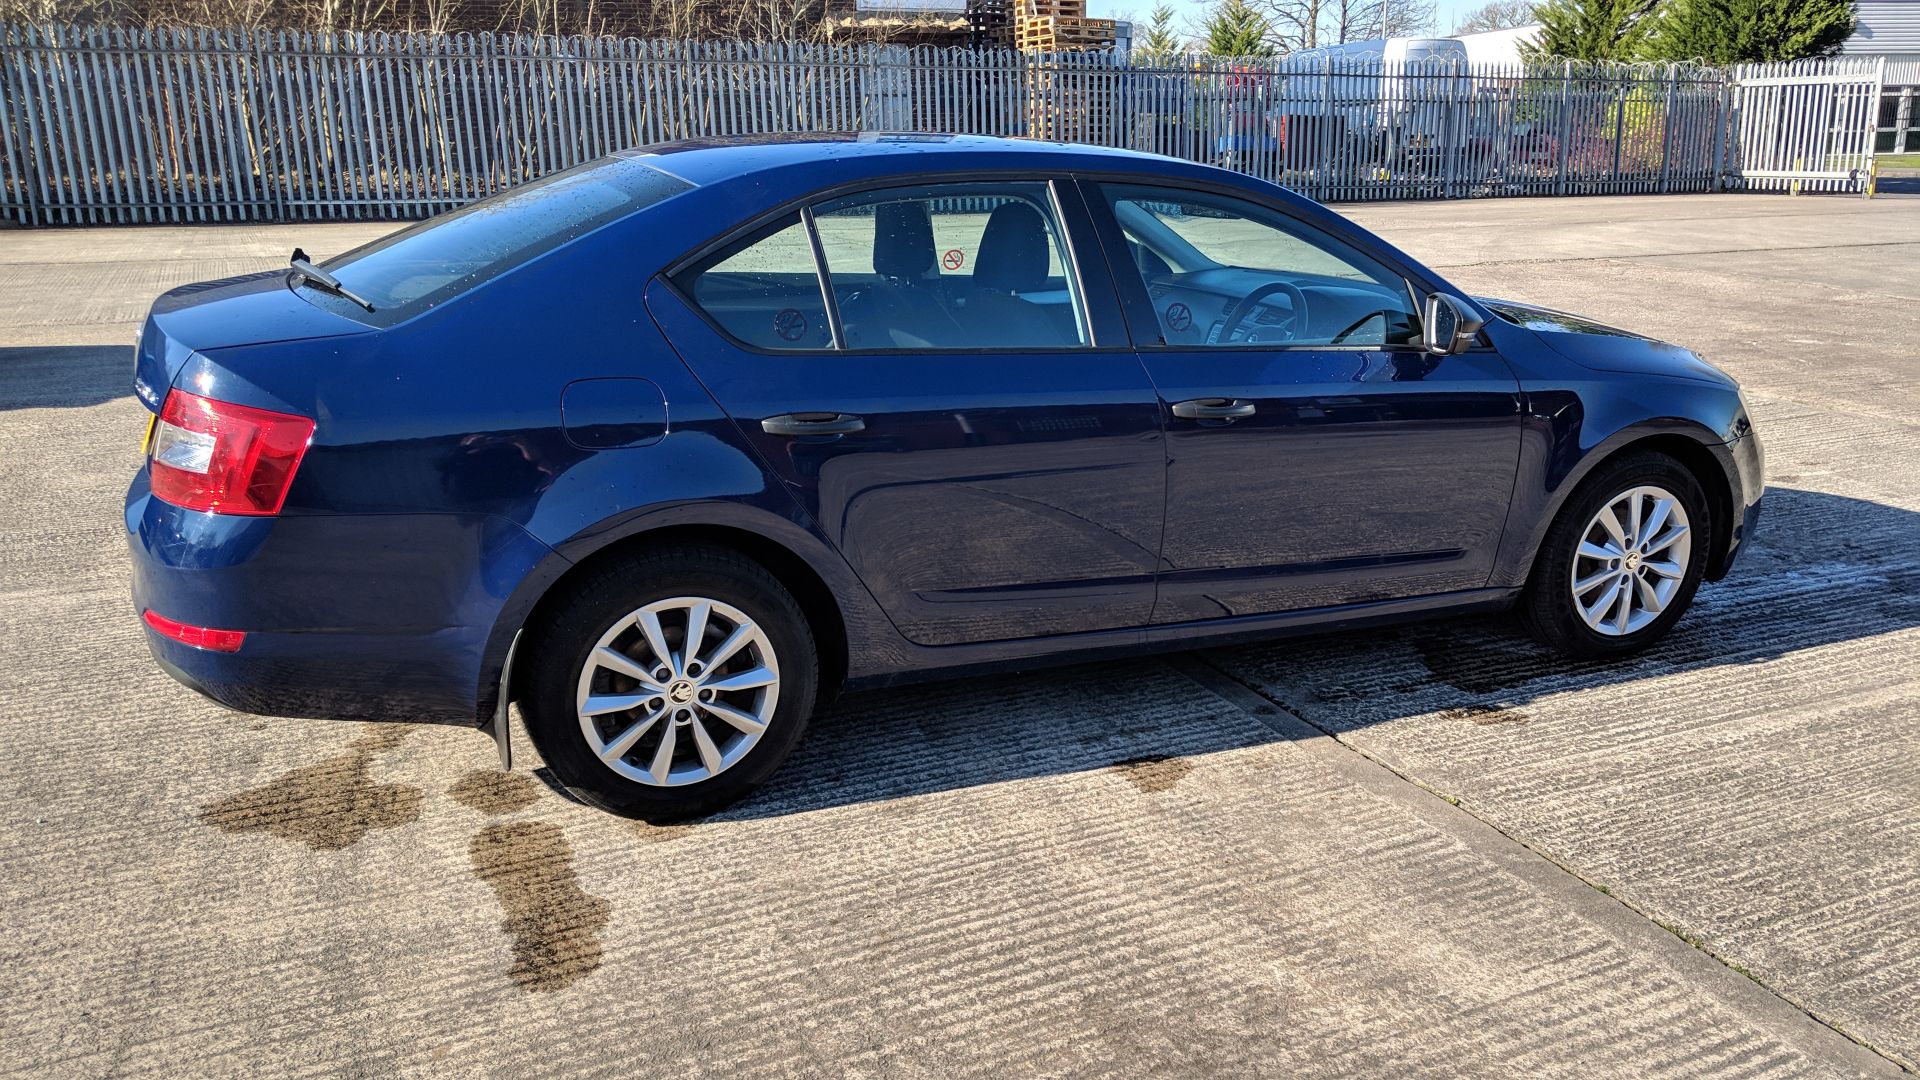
(951, 266)
(764, 290)
(1222, 271)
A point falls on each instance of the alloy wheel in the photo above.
(1631, 560)
(678, 691)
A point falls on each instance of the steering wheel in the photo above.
(1254, 299)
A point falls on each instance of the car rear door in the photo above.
(1316, 458)
(958, 414)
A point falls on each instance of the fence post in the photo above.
(1666, 127)
(1873, 123)
(1904, 121)
(15, 160)
(1723, 128)
(1620, 99)
(1323, 176)
(1566, 117)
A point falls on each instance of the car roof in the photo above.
(706, 161)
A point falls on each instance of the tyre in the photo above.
(633, 718)
(1621, 563)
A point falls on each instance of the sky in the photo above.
(1446, 12)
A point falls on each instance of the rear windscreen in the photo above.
(444, 256)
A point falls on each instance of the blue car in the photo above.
(673, 446)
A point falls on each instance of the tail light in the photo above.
(226, 458)
(200, 637)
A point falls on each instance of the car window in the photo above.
(764, 289)
(446, 255)
(1225, 271)
(951, 266)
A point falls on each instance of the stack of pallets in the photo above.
(1063, 102)
(1059, 26)
(990, 24)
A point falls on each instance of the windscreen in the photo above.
(444, 256)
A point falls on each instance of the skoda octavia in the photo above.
(670, 447)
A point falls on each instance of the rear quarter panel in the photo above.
(456, 414)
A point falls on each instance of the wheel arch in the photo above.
(1695, 449)
(1714, 479)
(818, 599)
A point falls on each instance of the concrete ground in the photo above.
(1419, 851)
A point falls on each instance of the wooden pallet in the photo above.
(1039, 9)
(1059, 33)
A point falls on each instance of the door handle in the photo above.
(1213, 408)
(813, 423)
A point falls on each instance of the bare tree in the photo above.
(781, 20)
(1498, 15)
(774, 20)
(1293, 24)
(38, 11)
(353, 14)
(1309, 24)
(1361, 20)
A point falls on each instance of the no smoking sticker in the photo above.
(954, 259)
(1179, 316)
(790, 324)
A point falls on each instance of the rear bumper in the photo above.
(351, 617)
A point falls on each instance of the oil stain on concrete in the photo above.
(1486, 715)
(556, 926)
(328, 805)
(495, 792)
(1154, 774)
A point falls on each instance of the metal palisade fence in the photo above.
(104, 125)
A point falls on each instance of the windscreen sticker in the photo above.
(790, 324)
(954, 259)
(1179, 316)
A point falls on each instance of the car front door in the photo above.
(1317, 456)
(924, 370)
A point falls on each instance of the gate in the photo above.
(1806, 125)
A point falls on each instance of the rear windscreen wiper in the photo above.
(322, 280)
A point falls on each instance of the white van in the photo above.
(1404, 86)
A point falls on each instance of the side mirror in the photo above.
(1448, 327)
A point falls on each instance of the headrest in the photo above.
(902, 240)
(1013, 249)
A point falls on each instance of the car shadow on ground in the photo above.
(64, 376)
(1825, 569)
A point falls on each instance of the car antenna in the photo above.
(320, 279)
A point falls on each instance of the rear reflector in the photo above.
(226, 458)
(197, 636)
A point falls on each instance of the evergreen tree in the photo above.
(1748, 31)
(1591, 29)
(1234, 29)
(1160, 43)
